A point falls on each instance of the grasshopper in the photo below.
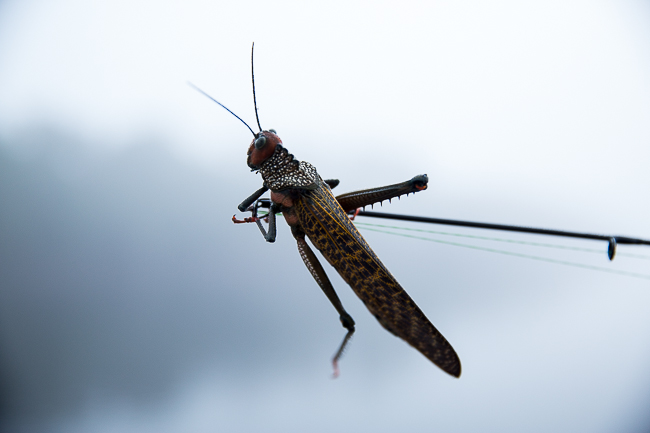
(311, 210)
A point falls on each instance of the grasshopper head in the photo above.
(262, 148)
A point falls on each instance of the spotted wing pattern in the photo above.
(335, 236)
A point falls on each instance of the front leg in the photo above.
(273, 209)
(270, 236)
(261, 203)
(358, 199)
(243, 206)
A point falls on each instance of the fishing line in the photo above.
(370, 227)
(509, 253)
(536, 244)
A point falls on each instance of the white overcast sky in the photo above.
(479, 93)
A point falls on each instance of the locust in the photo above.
(312, 212)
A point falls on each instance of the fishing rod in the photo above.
(613, 241)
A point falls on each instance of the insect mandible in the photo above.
(312, 211)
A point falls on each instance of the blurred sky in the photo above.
(129, 302)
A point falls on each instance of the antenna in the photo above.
(253, 78)
(227, 109)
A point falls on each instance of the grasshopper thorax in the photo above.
(279, 169)
(262, 148)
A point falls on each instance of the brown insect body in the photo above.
(308, 206)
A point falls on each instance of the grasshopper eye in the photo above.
(273, 131)
(260, 142)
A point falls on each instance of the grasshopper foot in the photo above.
(245, 220)
(420, 182)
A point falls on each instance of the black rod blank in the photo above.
(612, 240)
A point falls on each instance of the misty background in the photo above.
(129, 302)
